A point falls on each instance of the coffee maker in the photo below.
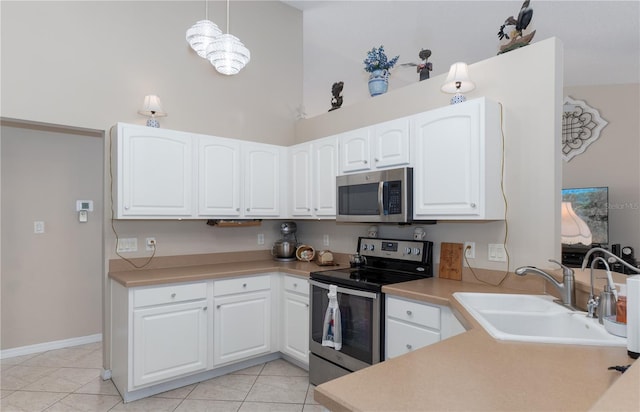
(284, 249)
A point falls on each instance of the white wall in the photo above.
(533, 172)
(337, 35)
(90, 64)
(612, 160)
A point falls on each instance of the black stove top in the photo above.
(364, 278)
(388, 261)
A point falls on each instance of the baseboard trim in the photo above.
(46, 346)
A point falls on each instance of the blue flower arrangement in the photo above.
(377, 60)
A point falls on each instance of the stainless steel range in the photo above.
(361, 303)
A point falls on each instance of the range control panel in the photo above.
(409, 250)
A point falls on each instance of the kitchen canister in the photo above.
(633, 316)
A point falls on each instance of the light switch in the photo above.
(83, 216)
(38, 226)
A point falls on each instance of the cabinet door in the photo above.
(155, 172)
(261, 180)
(355, 150)
(169, 341)
(391, 143)
(301, 179)
(242, 326)
(219, 176)
(447, 172)
(405, 337)
(295, 326)
(326, 168)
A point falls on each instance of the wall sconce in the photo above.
(458, 82)
(153, 108)
(572, 228)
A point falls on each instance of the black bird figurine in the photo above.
(521, 23)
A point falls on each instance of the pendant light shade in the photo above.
(227, 54)
(201, 35)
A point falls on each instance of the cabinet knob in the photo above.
(205, 308)
(126, 207)
(473, 205)
(173, 295)
(365, 162)
(308, 209)
(376, 159)
(295, 285)
(244, 285)
(218, 307)
(409, 313)
(248, 209)
(237, 209)
(409, 346)
(316, 209)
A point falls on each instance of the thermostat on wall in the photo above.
(84, 205)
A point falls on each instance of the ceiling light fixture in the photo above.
(227, 53)
(203, 33)
(458, 82)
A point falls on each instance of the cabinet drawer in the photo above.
(241, 285)
(297, 285)
(414, 312)
(158, 295)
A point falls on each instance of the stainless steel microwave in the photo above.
(381, 196)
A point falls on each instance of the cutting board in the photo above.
(450, 261)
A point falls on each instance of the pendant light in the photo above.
(227, 53)
(201, 34)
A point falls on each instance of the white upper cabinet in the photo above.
(325, 169)
(219, 176)
(154, 172)
(262, 175)
(376, 147)
(391, 143)
(355, 150)
(313, 170)
(457, 162)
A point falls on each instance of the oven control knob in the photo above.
(372, 247)
(364, 246)
(416, 251)
(407, 250)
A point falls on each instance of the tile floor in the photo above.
(69, 380)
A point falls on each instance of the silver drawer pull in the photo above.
(409, 346)
(173, 295)
(409, 313)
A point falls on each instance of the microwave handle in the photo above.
(380, 198)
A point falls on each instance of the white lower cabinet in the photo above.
(410, 325)
(159, 333)
(295, 318)
(242, 318)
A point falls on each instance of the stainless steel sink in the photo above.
(534, 318)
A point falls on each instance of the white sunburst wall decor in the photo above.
(581, 126)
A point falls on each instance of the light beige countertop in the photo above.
(473, 371)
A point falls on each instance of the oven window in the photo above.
(356, 313)
(358, 199)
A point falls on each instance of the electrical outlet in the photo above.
(151, 244)
(325, 240)
(470, 250)
(261, 238)
(497, 252)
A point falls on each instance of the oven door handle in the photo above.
(346, 291)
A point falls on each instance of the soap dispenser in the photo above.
(607, 304)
